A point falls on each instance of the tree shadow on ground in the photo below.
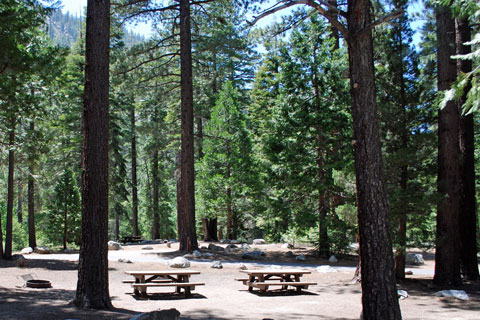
(168, 296)
(281, 293)
(58, 265)
(27, 303)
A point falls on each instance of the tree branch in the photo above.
(388, 17)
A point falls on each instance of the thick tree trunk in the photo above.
(447, 255)
(379, 293)
(10, 192)
(468, 218)
(156, 216)
(92, 286)
(32, 238)
(209, 227)
(187, 228)
(133, 142)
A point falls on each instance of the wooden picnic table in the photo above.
(264, 278)
(180, 279)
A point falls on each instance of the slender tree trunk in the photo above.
(32, 239)
(447, 255)
(92, 286)
(20, 202)
(229, 196)
(10, 192)
(65, 220)
(134, 174)
(468, 218)
(178, 180)
(187, 228)
(156, 216)
(379, 292)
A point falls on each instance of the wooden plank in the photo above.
(154, 281)
(276, 272)
(172, 284)
(162, 272)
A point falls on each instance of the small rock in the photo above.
(216, 265)
(26, 250)
(112, 245)
(231, 246)
(165, 241)
(42, 250)
(458, 294)
(225, 241)
(289, 254)
(235, 241)
(147, 248)
(242, 267)
(325, 269)
(197, 254)
(402, 294)
(68, 250)
(258, 241)
(169, 245)
(408, 272)
(20, 260)
(287, 246)
(209, 254)
(188, 256)
(300, 258)
(124, 260)
(178, 262)
(333, 259)
(171, 314)
(245, 246)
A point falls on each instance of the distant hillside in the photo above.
(64, 29)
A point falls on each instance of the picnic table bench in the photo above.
(265, 278)
(180, 279)
(132, 239)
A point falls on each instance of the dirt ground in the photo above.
(334, 297)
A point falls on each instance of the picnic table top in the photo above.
(275, 271)
(162, 272)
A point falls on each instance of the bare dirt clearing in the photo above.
(334, 297)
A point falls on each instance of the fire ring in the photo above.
(39, 284)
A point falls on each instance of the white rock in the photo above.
(333, 259)
(178, 262)
(27, 250)
(242, 267)
(459, 294)
(42, 250)
(112, 245)
(287, 246)
(216, 265)
(258, 241)
(209, 254)
(402, 294)
(325, 269)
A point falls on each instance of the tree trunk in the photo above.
(187, 228)
(229, 196)
(447, 255)
(135, 231)
(156, 216)
(10, 192)
(92, 286)
(178, 180)
(20, 202)
(65, 220)
(32, 239)
(468, 218)
(379, 292)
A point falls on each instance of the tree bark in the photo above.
(379, 293)
(10, 192)
(92, 286)
(447, 255)
(135, 230)
(32, 239)
(20, 202)
(187, 228)
(468, 218)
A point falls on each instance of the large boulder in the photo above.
(258, 241)
(171, 314)
(214, 247)
(414, 259)
(26, 250)
(253, 255)
(113, 245)
(42, 250)
(178, 262)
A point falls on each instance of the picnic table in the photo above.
(180, 279)
(265, 278)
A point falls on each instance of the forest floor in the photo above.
(334, 297)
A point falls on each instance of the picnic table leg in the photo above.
(297, 279)
(143, 291)
(251, 279)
